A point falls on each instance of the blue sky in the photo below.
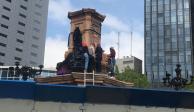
(122, 16)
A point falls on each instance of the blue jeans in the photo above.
(86, 61)
(112, 65)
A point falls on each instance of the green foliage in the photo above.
(190, 87)
(129, 75)
(116, 70)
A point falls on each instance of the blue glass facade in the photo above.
(168, 37)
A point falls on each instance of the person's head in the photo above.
(111, 48)
(92, 44)
(85, 48)
(98, 45)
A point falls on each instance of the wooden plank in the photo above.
(116, 82)
(89, 76)
(54, 79)
(77, 77)
(62, 82)
(88, 81)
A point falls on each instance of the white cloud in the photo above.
(58, 10)
(111, 39)
(115, 23)
(54, 51)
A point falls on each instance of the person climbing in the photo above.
(98, 58)
(86, 58)
(112, 61)
(91, 50)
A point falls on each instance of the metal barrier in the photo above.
(6, 74)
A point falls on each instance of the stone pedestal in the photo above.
(89, 22)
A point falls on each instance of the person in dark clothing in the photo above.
(86, 59)
(113, 61)
(98, 58)
(77, 38)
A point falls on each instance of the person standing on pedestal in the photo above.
(98, 58)
(86, 56)
(91, 50)
(113, 61)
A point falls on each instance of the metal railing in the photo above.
(6, 74)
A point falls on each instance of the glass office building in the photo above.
(168, 37)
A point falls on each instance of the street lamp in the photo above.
(177, 82)
(27, 72)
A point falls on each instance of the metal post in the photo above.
(118, 44)
(84, 77)
(152, 79)
(93, 78)
(7, 73)
(0, 73)
(131, 42)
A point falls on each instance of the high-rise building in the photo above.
(22, 31)
(168, 37)
(131, 62)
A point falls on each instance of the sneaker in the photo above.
(112, 77)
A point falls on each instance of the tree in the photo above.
(116, 70)
(130, 75)
(190, 87)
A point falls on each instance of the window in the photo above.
(36, 21)
(19, 41)
(4, 26)
(22, 15)
(128, 62)
(187, 28)
(181, 58)
(173, 29)
(20, 32)
(3, 45)
(36, 38)
(180, 4)
(33, 63)
(167, 30)
(9, 1)
(23, 7)
(168, 59)
(186, 16)
(173, 4)
(1, 64)
(160, 2)
(34, 46)
(173, 16)
(36, 29)
(39, 6)
(188, 59)
(22, 24)
(2, 54)
(3, 35)
(18, 49)
(5, 17)
(33, 54)
(38, 14)
(6, 8)
(188, 44)
(18, 59)
(186, 3)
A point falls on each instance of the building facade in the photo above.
(23, 31)
(168, 37)
(131, 62)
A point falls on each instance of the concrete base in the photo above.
(15, 105)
